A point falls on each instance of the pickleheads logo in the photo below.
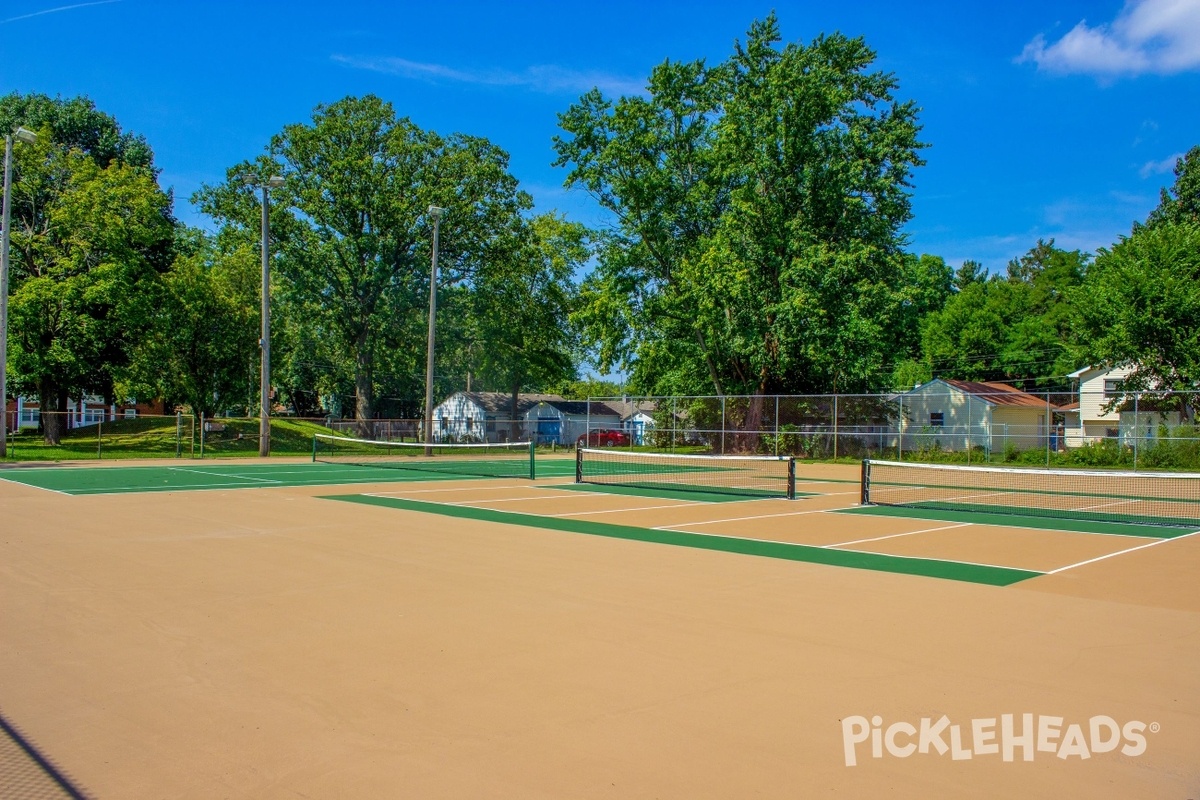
(1010, 734)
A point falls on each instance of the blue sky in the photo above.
(1044, 119)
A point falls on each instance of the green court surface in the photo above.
(929, 567)
(196, 475)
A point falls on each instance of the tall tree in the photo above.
(1013, 328)
(91, 232)
(1140, 306)
(520, 308)
(202, 349)
(759, 205)
(1181, 203)
(353, 231)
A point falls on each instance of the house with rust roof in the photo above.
(954, 415)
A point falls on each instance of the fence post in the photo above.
(968, 429)
(776, 425)
(722, 424)
(202, 434)
(900, 430)
(100, 437)
(835, 427)
(1137, 427)
(674, 432)
(178, 434)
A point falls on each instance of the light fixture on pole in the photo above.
(30, 137)
(436, 213)
(264, 343)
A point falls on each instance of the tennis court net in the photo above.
(1144, 498)
(751, 476)
(498, 460)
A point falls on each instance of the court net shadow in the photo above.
(28, 774)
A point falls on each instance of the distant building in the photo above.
(22, 413)
(488, 417)
(954, 414)
(1106, 411)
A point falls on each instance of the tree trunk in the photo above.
(363, 390)
(53, 402)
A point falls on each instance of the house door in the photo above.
(548, 430)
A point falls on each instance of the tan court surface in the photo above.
(266, 643)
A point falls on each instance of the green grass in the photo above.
(156, 437)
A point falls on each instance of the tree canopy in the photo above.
(758, 204)
(91, 231)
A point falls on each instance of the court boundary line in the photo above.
(907, 533)
(222, 475)
(757, 516)
(1118, 553)
(947, 569)
(34, 486)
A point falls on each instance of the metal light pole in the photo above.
(24, 136)
(264, 343)
(436, 213)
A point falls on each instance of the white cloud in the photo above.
(1147, 36)
(1159, 167)
(546, 78)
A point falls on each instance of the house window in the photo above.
(443, 420)
(131, 413)
(936, 419)
(1112, 433)
(1112, 387)
(470, 422)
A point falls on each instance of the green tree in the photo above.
(353, 235)
(203, 347)
(759, 204)
(1140, 305)
(1181, 203)
(91, 232)
(1013, 328)
(520, 309)
(969, 272)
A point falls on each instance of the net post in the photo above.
(791, 480)
(578, 464)
(532, 460)
(314, 453)
(865, 496)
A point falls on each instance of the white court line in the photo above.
(504, 499)
(757, 516)
(618, 510)
(1106, 505)
(401, 492)
(895, 535)
(223, 475)
(35, 486)
(1119, 553)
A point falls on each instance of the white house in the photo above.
(637, 417)
(953, 415)
(1107, 412)
(488, 417)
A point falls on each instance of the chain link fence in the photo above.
(966, 423)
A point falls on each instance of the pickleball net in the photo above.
(476, 460)
(1143, 498)
(749, 476)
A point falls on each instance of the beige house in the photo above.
(1104, 411)
(953, 415)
